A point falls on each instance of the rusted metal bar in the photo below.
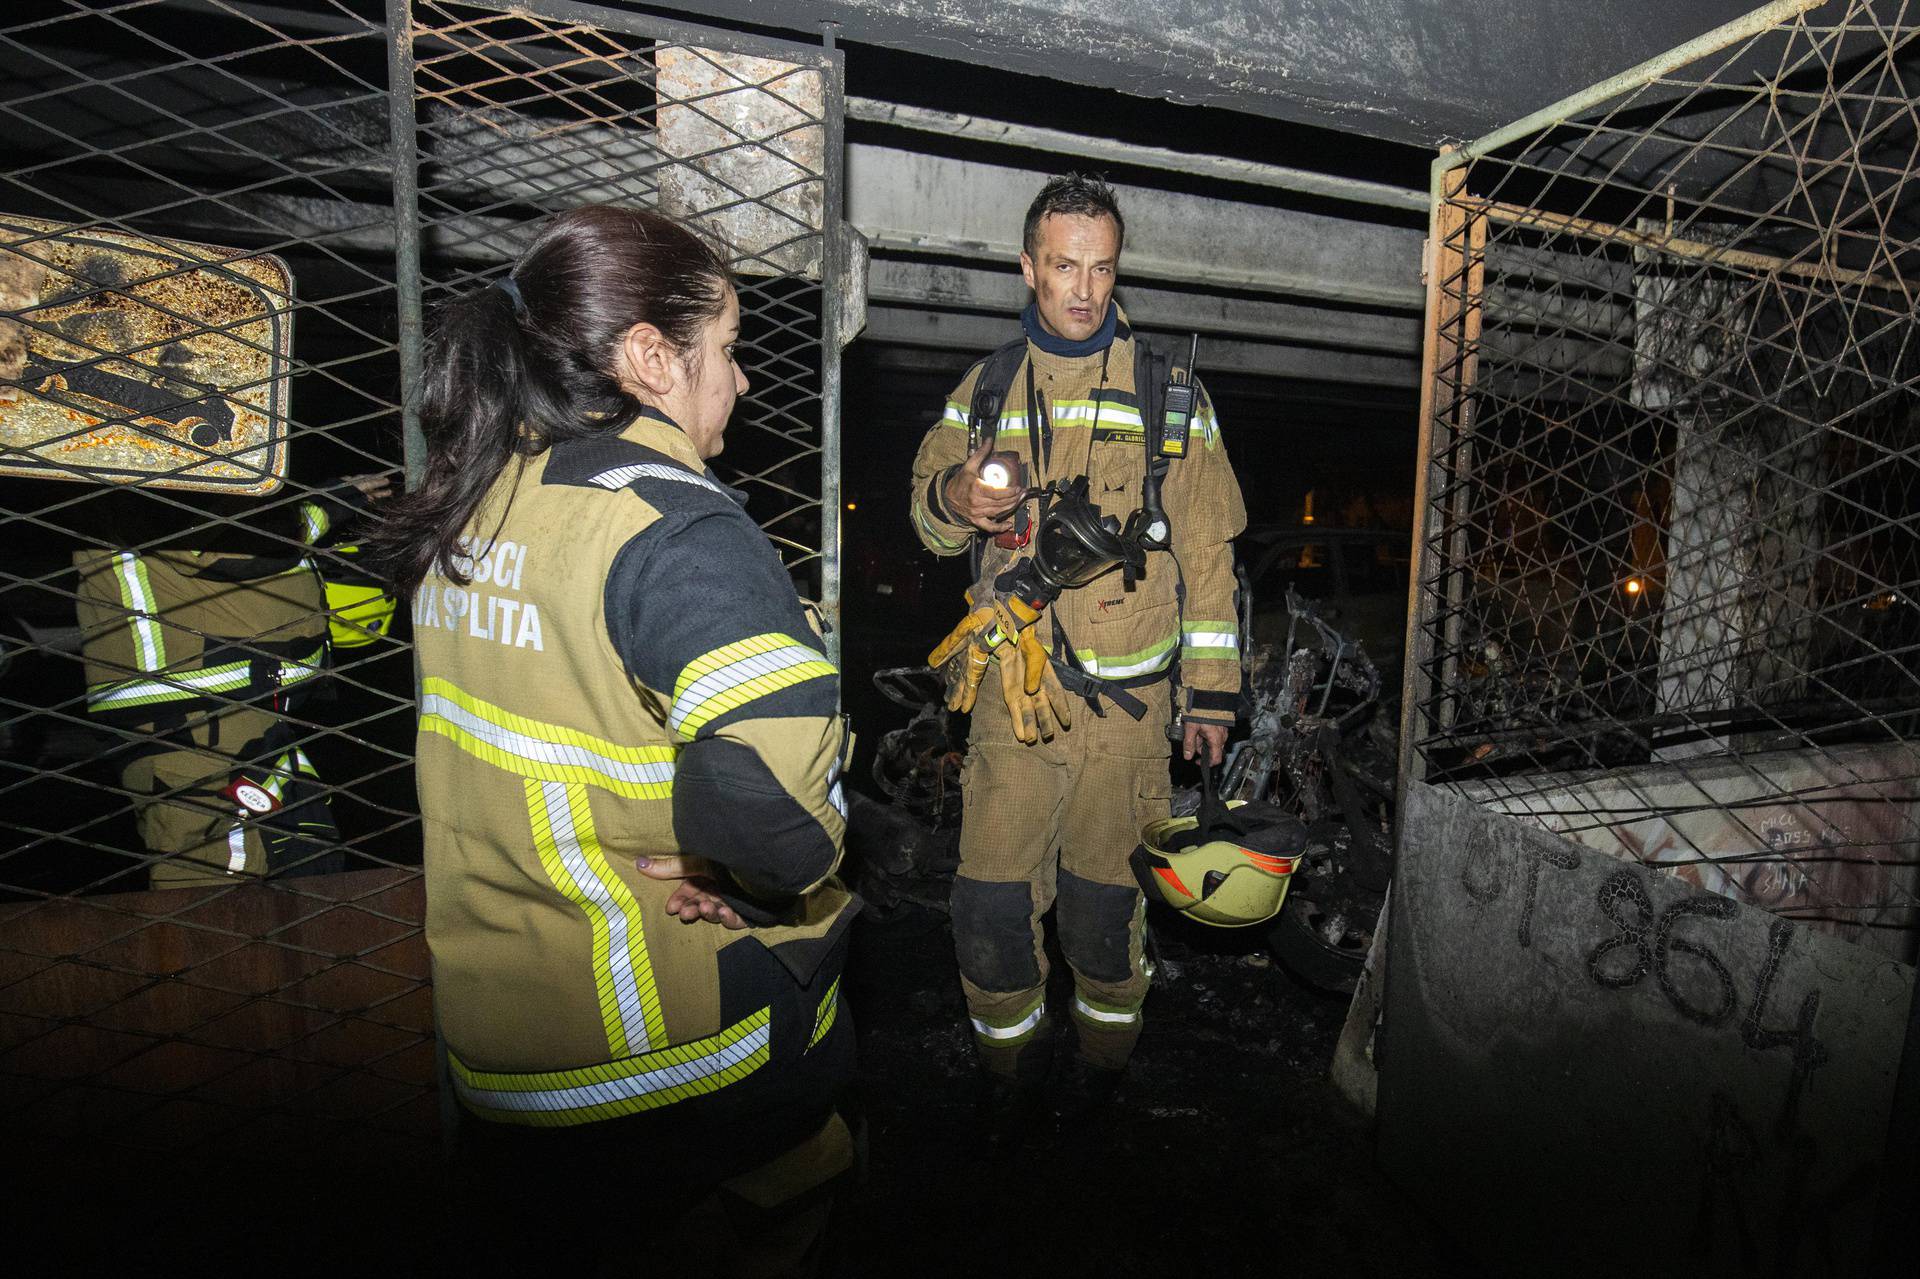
(1419, 646)
(1677, 246)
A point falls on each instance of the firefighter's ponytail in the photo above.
(515, 367)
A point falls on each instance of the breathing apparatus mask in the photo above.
(1074, 545)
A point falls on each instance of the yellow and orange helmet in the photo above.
(1236, 876)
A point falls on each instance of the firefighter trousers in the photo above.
(1051, 826)
(186, 815)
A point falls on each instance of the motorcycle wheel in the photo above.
(1299, 942)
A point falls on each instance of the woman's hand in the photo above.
(696, 897)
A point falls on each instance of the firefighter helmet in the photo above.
(1232, 875)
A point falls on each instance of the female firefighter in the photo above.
(628, 761)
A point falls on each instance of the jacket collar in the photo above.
(1100, 340)
(1102, 351)
(655, 430)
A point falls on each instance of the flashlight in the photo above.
(1006, 472)
(1002, 471)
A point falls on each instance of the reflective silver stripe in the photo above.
(621, 476)
(735, 673)
(225, 678)
(294, 672)
(237, 849)
(626, 989)
(1084, 1009)
(1111, 670)
(535, 751)
(1212, 639)
(582, 1096)
(214, 679)
(149, 645)
(836, 793)
(1014, 1031)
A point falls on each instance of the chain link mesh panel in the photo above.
(1669, 591)
(213, 261)
(522, 115)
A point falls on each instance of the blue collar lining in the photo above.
(1100, 341)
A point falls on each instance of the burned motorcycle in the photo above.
(1322, 746)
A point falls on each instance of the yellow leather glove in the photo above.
(962, 656)
(1035, 699)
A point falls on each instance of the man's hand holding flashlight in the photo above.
(980, 491)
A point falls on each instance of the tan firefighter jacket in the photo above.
(1183, 608)
(628, 673)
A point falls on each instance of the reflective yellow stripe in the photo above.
(545, 752)
(823, 1016)
(1107, 413)
(228, 677)
(1210, 641)
(925, 520)
(623, 974)
(136, 593)
(1156, 657)
(1111, 1014)
(562, 1098)
(314, 522)
(734, 674)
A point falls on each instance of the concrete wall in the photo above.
(1588, 1067)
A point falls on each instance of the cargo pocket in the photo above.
(1132, 636)
(1153, 795)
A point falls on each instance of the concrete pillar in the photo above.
(1743, 516)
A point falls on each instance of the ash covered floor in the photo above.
(1227, 1152)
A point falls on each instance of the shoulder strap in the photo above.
(1150, 389)
(990, 392)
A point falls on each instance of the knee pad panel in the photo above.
(993, 933)
(1096, 926)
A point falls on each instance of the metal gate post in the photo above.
(833, 278)
(406, 229)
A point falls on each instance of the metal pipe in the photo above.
(1636, 77)
(1060, 142)
(401, 127)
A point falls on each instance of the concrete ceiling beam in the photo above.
(909, 202)
(978, 334)
(1001, 292)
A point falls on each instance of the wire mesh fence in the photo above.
(1669, 579)
(220, 224)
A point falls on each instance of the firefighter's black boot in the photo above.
(1010, 1111)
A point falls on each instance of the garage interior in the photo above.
(1617, 403)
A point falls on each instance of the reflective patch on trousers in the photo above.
(993, 933)
(1096, 926)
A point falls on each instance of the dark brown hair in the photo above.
(506, 375)
(1072, 194)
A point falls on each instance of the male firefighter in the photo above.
(204, 660)
(1088, 480)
